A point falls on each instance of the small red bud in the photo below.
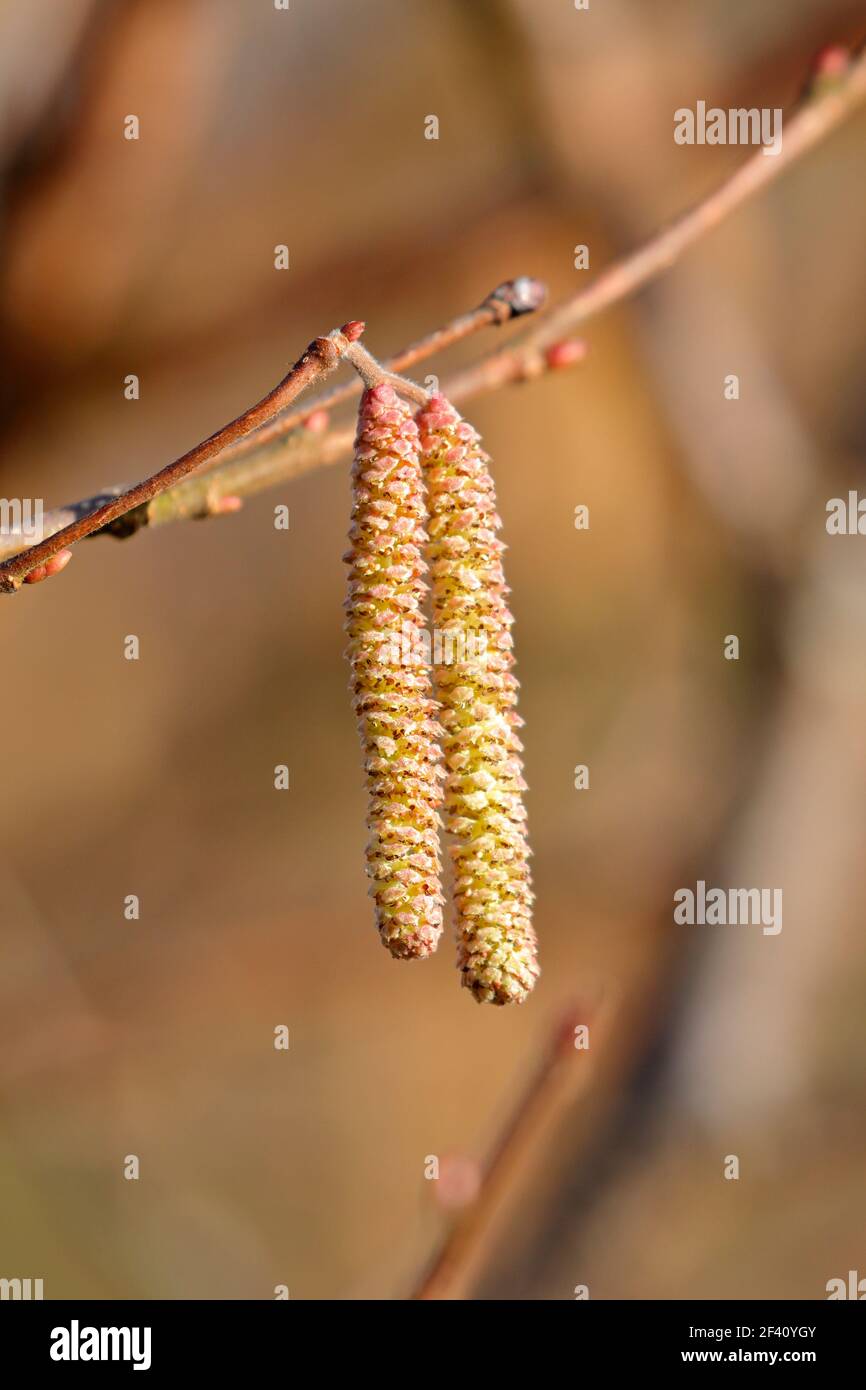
(51, 567)
(353, 330)
(831, 61)
(566, 353)
(223, 505)
(459, 1182)
(317, 422)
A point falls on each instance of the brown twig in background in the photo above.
(563, 1074)
(525, 354)
(290, 449)
(322, 356)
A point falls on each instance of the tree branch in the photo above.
(322, 356)
(525, 355)
(295, 444)
(564, 1073)
(279, 450)
(509, 300)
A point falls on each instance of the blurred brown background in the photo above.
(155, 777)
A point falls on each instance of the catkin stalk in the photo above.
(391, 675)
(477, 692)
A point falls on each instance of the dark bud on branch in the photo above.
(516, 297)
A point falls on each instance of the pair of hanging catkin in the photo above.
(441, 712)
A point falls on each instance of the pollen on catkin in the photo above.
(391, 684)
(477, 692)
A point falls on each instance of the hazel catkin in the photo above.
(477, 693)
(390, 681)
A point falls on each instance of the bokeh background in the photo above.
(155, 777)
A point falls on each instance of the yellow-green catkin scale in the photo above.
(477, 692)
(391, 684)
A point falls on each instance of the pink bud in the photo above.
(353, 330)
(459, 1182)
(223, 505)
(317, 422)
(565, 353)
(831, 61)
(51, 567)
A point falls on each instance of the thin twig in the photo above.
(322, 356)
(372, 373)
(564, 1073)
(524, 356)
